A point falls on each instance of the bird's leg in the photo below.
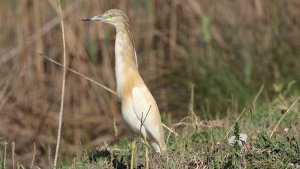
(147, 154)
(133, 149)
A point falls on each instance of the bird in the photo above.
(139, 109)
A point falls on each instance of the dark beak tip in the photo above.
(85, 19)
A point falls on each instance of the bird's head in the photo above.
(112, 16)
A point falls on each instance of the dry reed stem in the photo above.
(19, 165)
(170, 129)
(63, 85)
(283, 116)
(49, 155)
(79, 74)
(5, 152)
(192, 113)
(234, 123)
(33, 156)
(115, 127)
(256, 97)
(13, 147)
(3, 92)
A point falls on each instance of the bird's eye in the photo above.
(109, 16)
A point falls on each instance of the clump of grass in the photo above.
(279, 152)
(205, 146)
(3, 154)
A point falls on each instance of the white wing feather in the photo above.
(147, 112)
(143, 104)
(135, 59)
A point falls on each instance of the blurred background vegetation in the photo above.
(227, 50)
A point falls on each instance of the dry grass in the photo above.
(227, 49)
(63, 86)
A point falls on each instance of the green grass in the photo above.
(203, 143)
(206, 146)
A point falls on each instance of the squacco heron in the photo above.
(139, 109)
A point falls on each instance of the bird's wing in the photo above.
(145, 108)
(135, 59)
(147, 112)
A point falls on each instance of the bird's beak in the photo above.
(94, 18)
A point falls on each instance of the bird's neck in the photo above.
(125, 57)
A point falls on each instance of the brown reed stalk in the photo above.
(33, 156)
(234, 124)
(49, 155)
(283, 116)
(13, 148)
(80, 75)
(5, 152)
(63, 86)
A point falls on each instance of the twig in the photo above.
(79, 74)
(62, 86)
(256, 97)
(33, 156)
(19, 165)
(143, 120)
(283, 116)
(5, 153)
(4, 99)
(49, 156)
(145, 140)
(115, 127)
(168, 128)
(13, 148)
(192, 113)
(234, 123)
